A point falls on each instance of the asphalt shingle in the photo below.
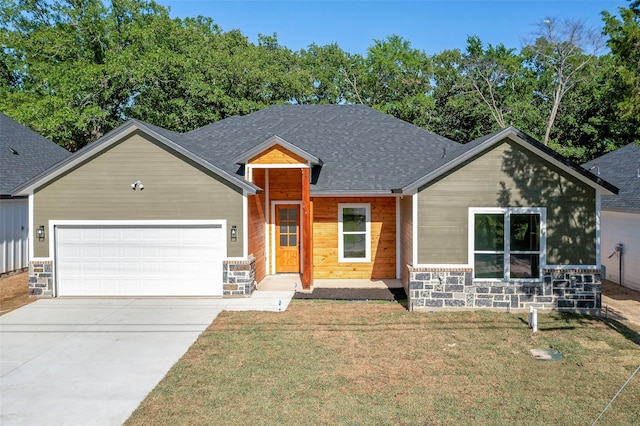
(24, 154)
(361, 149)
(622, 168)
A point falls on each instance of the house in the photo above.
(23, 154)
(327, 192)
(620, 219)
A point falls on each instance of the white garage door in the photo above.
(138, 260)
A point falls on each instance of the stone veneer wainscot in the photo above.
(238, 278)
(577, 290)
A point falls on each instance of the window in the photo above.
(288, 226)
(354, 232)
(508, 243)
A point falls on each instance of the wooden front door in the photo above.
(287, 238)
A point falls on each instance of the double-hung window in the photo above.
(507, 243)
(354, 232)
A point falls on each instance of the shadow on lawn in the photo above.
(543, 327)
(585, 320)
(628, 333)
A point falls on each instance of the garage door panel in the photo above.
(87, 235)
(140, 260)
(90, 250)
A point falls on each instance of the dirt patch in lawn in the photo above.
(14, 292)
(327, 362)
(621, 303)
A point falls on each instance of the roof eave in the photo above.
(621, 210)
(352, 192)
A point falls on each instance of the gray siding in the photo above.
(506, 176)
(174, 189)
(14, 228)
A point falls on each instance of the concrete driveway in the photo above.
(92, 361)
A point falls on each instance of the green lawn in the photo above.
(375, 363)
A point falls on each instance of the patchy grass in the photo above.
(376, 363)
(14, 292)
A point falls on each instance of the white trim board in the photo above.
(367, 258)
(508, 211)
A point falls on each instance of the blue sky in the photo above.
(429, 25)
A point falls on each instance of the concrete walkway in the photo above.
(92, 361)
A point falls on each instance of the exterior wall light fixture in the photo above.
(137, 185)
(234, 233)
(40, 233)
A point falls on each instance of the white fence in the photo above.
(14, 229)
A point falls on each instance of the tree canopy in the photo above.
(75, 69)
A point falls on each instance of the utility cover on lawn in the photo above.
(546, 354)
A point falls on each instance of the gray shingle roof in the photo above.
(23, 154)
(622, 168)
(361, 149)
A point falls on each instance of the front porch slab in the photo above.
(285, 282)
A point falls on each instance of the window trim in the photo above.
(507, 212)
(341, 233)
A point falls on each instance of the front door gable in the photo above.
(277, 151)
(277, 154)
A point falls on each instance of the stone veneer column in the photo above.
(439, 288)
(238, 277)
(41, 278)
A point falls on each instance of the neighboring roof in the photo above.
(477, 146)
(166, 137)
(24, 154)
(362, 150)
(622, 168)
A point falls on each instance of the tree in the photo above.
(456, 114)
(561, 53)
(492, 74)
(481, 90)
(75, 69)
(334, 75)
(588, 124)
(624, 42)
(69, 75)
(397, 79)
(197, 74)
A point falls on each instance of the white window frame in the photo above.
(341, 233)
(507, 212)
